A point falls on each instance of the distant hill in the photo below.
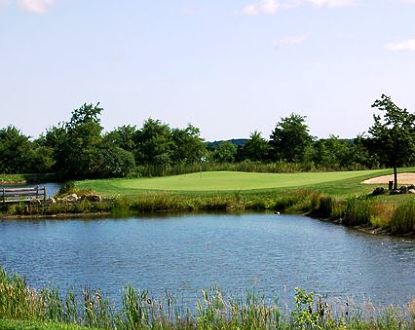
(237, 142)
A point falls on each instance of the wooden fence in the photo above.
(27, 194)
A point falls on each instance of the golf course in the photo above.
(339, 183)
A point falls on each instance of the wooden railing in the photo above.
(27, 194)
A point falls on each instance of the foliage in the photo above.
(393, 134)
(19, 155)
(291, 141)
(153, 144)
(189, 147)
(79, 149)
(256, 148)
(225, 152)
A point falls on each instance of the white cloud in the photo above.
(36, 6)
(402, 46)
(332, 3)
(271, 7)
(290, 41)
(263, 7)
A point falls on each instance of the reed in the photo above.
(403, 220)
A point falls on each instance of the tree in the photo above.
(154, 145)
(188, 146)
(15, 151)
(122, 137)
(393, 135)
(256, 148)
(290, 141)
(225, 152)
(333, 152)
(78, 155)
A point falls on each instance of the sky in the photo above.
(228, 67)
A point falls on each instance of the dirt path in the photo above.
(403, 178)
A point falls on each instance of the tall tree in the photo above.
(122, 137)
(15, 151)
(154, 145)
(79, 154)
(256, 148)
(188, 146)
(291, 141)
(225, 152)
(393, 135)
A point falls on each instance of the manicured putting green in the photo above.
(223, 181)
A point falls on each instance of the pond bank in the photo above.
(365, 213)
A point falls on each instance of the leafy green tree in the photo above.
(333, 152)
(54, 140)
(15, 151)
(393, 135)
(188, 146)
(78, 155)
(291, 141)
(225, 152)
(114, 161)
(154, 145)
(256, 148)
(360, 152)
(122, 137)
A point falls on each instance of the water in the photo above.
(267, 253)
(52, 188)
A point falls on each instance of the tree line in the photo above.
(79, 148)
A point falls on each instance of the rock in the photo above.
(378, 191)
(411, 191)
(70, 198)
(403, 189)
(92, 198)
(51, 200)
(395, 192)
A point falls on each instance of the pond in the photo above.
(266, 253)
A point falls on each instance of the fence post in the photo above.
(44, 199)
(4, 197)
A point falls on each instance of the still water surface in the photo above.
(270, 254)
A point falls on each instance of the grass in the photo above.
(330, 195)
(12, 178)
(37, 325)
(22, 307)
(339, 183)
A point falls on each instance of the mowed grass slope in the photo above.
(339, 183)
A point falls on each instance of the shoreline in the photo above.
(366, 228)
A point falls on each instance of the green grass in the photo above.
(337, 183)
(37, 325)
(12, 178)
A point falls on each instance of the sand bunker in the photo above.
(403, 178)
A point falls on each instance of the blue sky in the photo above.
(227, 67)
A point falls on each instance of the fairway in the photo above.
(224, 181)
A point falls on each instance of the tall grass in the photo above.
(244, 166)
(403, 220)
(214, 310)
(365, 210)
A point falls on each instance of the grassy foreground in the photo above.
(37, 325)
(22, 307)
